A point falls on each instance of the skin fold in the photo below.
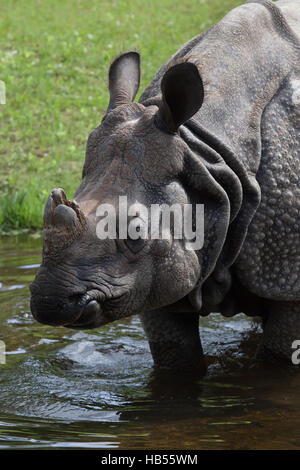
(218, 125)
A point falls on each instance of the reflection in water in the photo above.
(98, 389)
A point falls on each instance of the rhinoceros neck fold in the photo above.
(229, 172)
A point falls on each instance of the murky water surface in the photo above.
(98, 389)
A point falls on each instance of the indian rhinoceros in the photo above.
(219, 125)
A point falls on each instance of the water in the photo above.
(98, 389)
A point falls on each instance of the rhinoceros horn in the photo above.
(63, 221)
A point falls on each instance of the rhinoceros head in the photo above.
(135, 156)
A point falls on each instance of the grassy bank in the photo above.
(54, 57)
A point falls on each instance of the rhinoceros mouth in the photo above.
(97, 310)
(83, 309)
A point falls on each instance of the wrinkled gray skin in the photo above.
(218, 125)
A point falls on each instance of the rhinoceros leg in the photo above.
(281, 329)
(174, 340)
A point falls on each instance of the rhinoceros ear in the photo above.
(124, 79)
(182, 94)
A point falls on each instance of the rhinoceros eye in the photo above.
(137, 234)
(136, 229)
(135, 245)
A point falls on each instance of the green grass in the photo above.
(54, 58)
